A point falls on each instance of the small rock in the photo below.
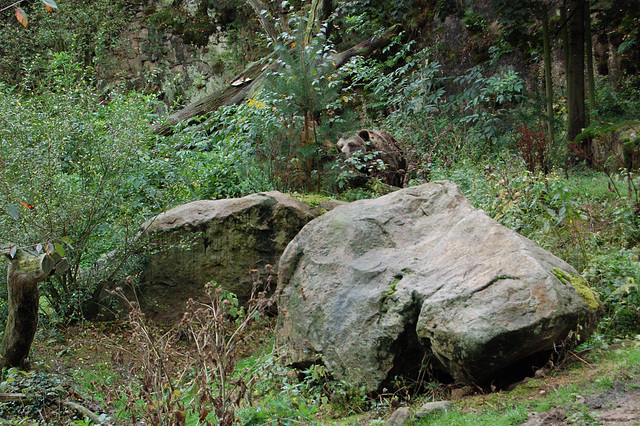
(400, 417)
(431, 407)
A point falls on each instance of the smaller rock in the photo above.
(400, 417)
(432, 407)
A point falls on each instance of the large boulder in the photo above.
(420, 279)
(230, 241)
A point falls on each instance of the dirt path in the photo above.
(619, 405)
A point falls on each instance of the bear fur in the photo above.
(386, 150)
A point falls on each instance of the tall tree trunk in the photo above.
(548, 82)
(564, 32)
(590, 71)
(25, 271)
(576, 110)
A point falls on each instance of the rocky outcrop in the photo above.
(420, 279)
(180, 49)
(230, 241)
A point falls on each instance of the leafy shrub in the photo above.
(291, 400)
(88, 34)
(616, 276)
(301, 92)
(219, 155)
(81, 170)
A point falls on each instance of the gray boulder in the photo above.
(231, 242)
(420, 279)
(400, 417)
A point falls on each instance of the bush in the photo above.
(616, 276)
(88, 35)
(78, 170)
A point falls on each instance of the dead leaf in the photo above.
(22, 17)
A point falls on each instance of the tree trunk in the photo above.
(227, 95)
(23, 275)
(565, 44)
(589, 52)
(548, 82)
(576, 110)
(266, 20)
(252, 77)
(25, 271)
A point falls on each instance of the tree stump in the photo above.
(25, 271)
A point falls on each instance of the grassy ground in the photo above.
(599, 384)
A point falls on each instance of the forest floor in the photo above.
(600, 385)
(619, 405)
(597, 386)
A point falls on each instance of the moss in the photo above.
(582, 287)
(312, 199)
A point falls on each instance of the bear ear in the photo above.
(364, 134)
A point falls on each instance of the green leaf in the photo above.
(67, 241)
(59, 249)
(13, 211)
(52, 4)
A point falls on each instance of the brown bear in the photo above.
(377, 154)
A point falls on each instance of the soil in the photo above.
(617, 406)
(620, 405)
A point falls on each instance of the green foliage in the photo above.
(363, 18)
(218, 158)
(474, 21)
(617, 104)
(616, 276)
(426, 108)
(86, 167)
(41, 389)
(296, 120)
(291, 400)
(88, 34)
(486, 104)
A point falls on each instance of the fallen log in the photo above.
(252, 77)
